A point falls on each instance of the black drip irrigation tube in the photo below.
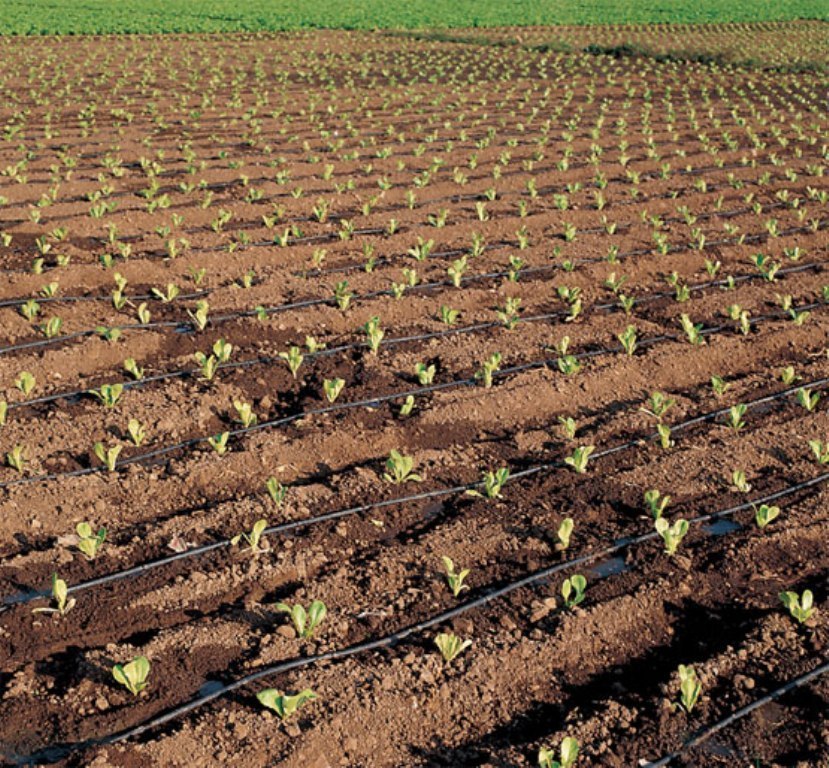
(57, 752)
(393, 341)
(370, 403)
(24, 598)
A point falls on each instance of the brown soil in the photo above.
(672, 168)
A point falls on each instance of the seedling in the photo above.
(565, 531)
(133, 369)
(672, 535)
(133, 675)
(342, 296)
(656, 502)
(658, 405)
(208, 364)
(399, 469)
(738, 480)
(408, 406)
(628, 340)
(579, 458)
(167, 294)
(801, 607)
(276, 490)
(25, 382)
(735, 416)
(719, 385)
(764, 514)
(4, 412)
(254, 538)
(572, 590)
(108, 456)
(692, 331)
(16, 458)
(492, 483)
(219, 442)
(88, 542)
(689, 688)
(820, 451)
(488, 368)
(332, 388)
(285, 706)
(449, 316)
(305, 622)
(807, 399)
(374, 334)
(60, 592)
(455, 578)
(450, 645)
(508, 314)
(245, 413)
(136, 432)
(108, 394)
(568, 754)
(568, 426)
(294, 358)
(425, 374)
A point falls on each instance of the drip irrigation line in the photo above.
(370, 402)
(294, 525)
(413, 338)
(708, 731)
(394, 638)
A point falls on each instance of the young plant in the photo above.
(738, 480)
(276, 490)
(374, 334)
(656, 502)
(133, 369)
(572, 590)
(219, 442)
(579, 458)
(565, 531)
(735, 416)
(108, 456)
(801, 607)
(719, 385)
(672, 535)
(254, 539)
(628, 340)
(568, 754)
(285, 706)
(692, 331)
(485, 373)
(133, 675)
(332, 388)
(108, 394)
(568, 426)
(60, 597)
(16, 458)
(455, 578)
(425, 374)
(450, 645)
(294, 358)
(658, 405)
(492, 483)
(807, 399)
(689, 688)
(399, 469)
(305, 622)
(764, 514)
(245, 414)
(88, 542)
(25, 382)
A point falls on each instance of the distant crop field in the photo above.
(24, 17)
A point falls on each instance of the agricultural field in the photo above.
(382, 399)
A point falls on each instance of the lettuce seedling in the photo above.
(282, 704)
(572, 590)
(719, 385)
(820, 451)
(4, 412)
(342, 296)
(254, 538)
(801, 607)
(305, 622)
(245, 415)
(738, 480)
(672, 535)
(168, 294)
(208, 364)
(63, 603)
(25, 382)
(565, 531)
(689, 688)
(449, 316)
(399, 469)
(16, 458)
(88, 542)
(294, 358)
(568, 426)
(425, 373)
(658, 405)
(374, 333)
(450, 645)
(276, 491)
(408, 406)
(579, 458)
(656, 502)
(692, 331)
(807, 399)
(488, 368)
(133, 369)
(219, 442)
(628, 340)
(455, 578)
(136, 432)
(332, 388)
(107, 456)
(108, 394)
(663, 431)
(133, 675)
(568, 754)
(764, 514)
(200, 315)
(735, 416)
(492, 483)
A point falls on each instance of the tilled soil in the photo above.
(285, 165)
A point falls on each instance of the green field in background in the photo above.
(23, 17)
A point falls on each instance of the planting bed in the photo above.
(288, 186)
